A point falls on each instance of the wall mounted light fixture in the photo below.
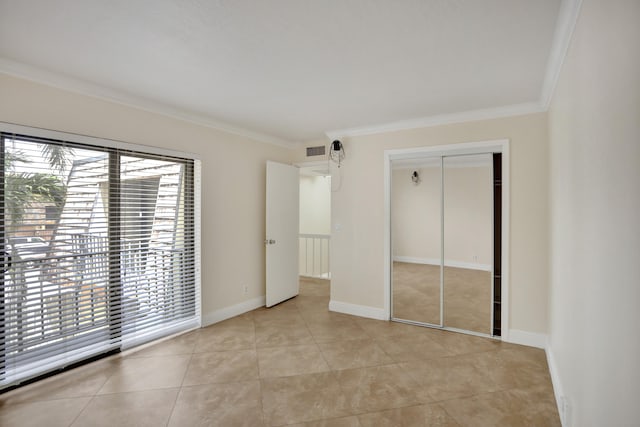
(336, 153)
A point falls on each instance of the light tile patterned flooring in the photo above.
(299, 364)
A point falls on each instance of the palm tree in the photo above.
(23, 189)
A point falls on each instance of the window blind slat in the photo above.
(102, 251)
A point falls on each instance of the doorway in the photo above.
(315, 221)
(445, 243)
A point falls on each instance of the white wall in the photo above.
(357, 210)
(233, 176)
(468, 204)
(315, 204)
(594, 124)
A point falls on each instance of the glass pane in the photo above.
(416, 239)
(56, 290)
(468, 231)
(98, 253)
(156, 289)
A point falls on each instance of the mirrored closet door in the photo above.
(416, 202)
(442, 242)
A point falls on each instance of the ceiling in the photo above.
(287, 71)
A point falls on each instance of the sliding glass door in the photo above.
(98, 252)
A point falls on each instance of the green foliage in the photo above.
(21, 190)
(24, 189)
(57, 156)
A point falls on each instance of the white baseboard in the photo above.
(235, 310)
(447, 262)
(357, 310)
(531, 339)
(557, 386)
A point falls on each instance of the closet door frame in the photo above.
(482, 147)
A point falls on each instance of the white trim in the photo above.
(81, 87)
(531, 339)
(496, 146)
(232, 311)
(557, 384)
(566, 23)
(506, 241)
(357, 310)
(447, 262)
(92, 140)
(440, 119)
(197, 230)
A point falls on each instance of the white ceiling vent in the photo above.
(316, 151)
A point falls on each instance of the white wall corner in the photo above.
(557, 385)
(531, 339)
(357, 310)
(232, 311)
(567, 18)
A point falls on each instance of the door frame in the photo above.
(480, 147)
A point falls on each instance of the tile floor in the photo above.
(299, 364)
(467, 296)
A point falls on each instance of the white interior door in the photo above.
(282, 228)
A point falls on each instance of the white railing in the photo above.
(314, 256)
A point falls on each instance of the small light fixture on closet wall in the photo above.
(415, 177)
(336, 153)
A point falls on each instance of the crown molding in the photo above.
(442, 119)
(82, 87)
(566, 23)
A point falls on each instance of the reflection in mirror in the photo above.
(468, 237)
(416, 240)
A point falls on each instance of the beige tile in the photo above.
(141, 408)
(147, 373)
(212, 376)
(414, 346)
(467, 296)
(314, 287)
(380, 387)
(325, 315)
(506, 408)
(83, 381)
(452, 377)
(302, 398)
(284, 334)
(230, 404)
(51, 413)
(291, 360)
(351, 421)
(227, 335)
(350, 354)
(335, 330)
(432, 415)
(284, 310)
(221, 367)
(312, 303)
(518, 367)
(383, 328)
(458, 344)
(183, 344)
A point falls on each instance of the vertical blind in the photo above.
(99, 252)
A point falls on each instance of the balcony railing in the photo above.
(49, 299)
(314, 255)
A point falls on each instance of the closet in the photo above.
(445, 238)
